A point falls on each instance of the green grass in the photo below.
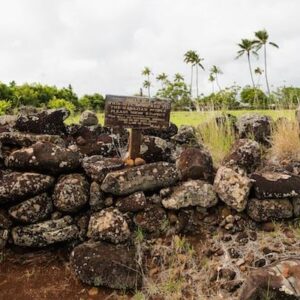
(195, 118)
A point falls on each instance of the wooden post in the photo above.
(135, 139)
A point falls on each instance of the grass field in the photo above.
(195, 118)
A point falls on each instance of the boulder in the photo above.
(132, 203)
(8, 120)
(15, 185)
(108, 225)
(104, 264)
(71, 193)
(141, 178)
(256, 127)
(296, 206)
(191, 193)
(88, 118)
(279, 281)
(154, 149)
(97, 167)
(272, 184)
(49, 121)
(5, 221)
(245, 154)
(263, 210)
(97, 197)
(3, 238)
(33, 210)
(232, 187)
(195, 163)
(45, 233)
(164, 134)
(44, 157)
(186, 135)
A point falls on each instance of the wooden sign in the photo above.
(136, 112)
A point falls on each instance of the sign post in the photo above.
(136, 113)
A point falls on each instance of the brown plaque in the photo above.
(137, 112)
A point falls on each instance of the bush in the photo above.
(95, 102)
(254, 97)
(59, 103)
(4, 106)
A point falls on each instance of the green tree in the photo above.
(215, 71)
(258, 72)
(247, 47)
(61, 103)
(255, 97)
(211, 78)
(261, 41)
(162, 77)
(95, 102)
(147, 83)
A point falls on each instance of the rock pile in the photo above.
(67, 184)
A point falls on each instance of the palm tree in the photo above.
(197, 64)
(162, 77)
(147, 83)
(215, 71)
(261, 42)
(178, 77)
(212, 79)
(189, 59)
(247, 47)
(258, 71)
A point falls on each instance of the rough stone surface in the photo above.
(154, 149)
(5, 221)
(108, 225)
(97, 167)
(245, 154)
(296, 206)
(195, 163)
(270, 184)
(185, 135)
(16, 185)
(255, 126)
(142, 178)
(165, 134)
(191, 193)
(97, 197)
(71, 193)
(49, 121)
(3, 238)
(132, 203)
(32, 210)
(232, 188)
(104, 264)
(88, 118)
(9, 120)
(44, 157)
(45, 233)
(262, 210)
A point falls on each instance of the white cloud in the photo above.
(99, 45)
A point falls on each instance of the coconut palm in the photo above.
(189, 58)
(197, 64)
(178, 77)
(247, 47)
(162, 77)
(212, 79)
(258, 71)
(215, 71)
(261, 41)
(147, 83)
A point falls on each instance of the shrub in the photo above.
(59, 103)
(254, 97)
(4, 106)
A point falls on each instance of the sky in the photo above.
(103, 45)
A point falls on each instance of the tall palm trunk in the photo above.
(149, 87)
(266, 71)
(191, 86)
(197, 82)
(213, 87)
(217, 81)
(250, 68)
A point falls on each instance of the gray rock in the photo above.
(45, 233)
(3, 238)
(132, 203)
(164, 134)
(71, 193)
(268, 184)
(97, 167)
(5, 221)
(108, 265)
(108, 225)
(296, 206)
(15, 186)
(32, 210)
(141, 178)
(191, 193)
(232, 187)
(185, 135)
(262, 210)
(97, 197)
(9, 120)
(88, 118)
(44, 157)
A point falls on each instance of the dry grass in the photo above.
(285, 142)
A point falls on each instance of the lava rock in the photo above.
(191, 193)
(262, 210)
(49, 121)
(132, 203)
(5, 221)
(108, 225)
(275, 185)
(3, 238)
(104, 264)
(88, 118)
(32, 210)
(71, 193)
(296, 206)
(9, 120)
(245, 154)
(164, 134)
(154, 149)
(97, 197)
(45, 233)
(255, 126)
(141, 178)
(44, 157)
(15, 185)
(195, 163)
(97, 167)
(185, 135)
(232, 188)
